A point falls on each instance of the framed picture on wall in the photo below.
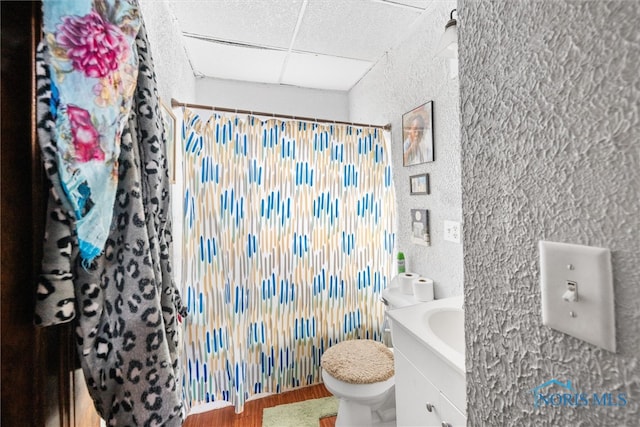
(417, 135)
(420, 227)
(169, 121)
(419, 184)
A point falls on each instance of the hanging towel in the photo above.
(125, 306)
(93, 67)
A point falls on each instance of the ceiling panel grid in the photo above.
(321, 44)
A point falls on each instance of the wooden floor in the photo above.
(252, 414)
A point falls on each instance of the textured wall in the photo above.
(173, 71)
(269, 98)
(407, 77)
(550, 116)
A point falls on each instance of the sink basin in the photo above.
(447, 324)
(439, 325)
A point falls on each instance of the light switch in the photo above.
(577, 292)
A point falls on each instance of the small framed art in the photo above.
(419, 184)
(417, 135)
(169, 121)
(420, 227)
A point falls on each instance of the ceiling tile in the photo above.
(337, 41)
(353, 28)
(420, 4)
(323, 72)
(233, 62)
(265, 23)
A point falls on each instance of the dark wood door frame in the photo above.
(39, 379)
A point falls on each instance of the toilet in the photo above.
(360, 373)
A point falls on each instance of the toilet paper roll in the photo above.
(405, 281)
(422, 289)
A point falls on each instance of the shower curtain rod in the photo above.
(175, 103)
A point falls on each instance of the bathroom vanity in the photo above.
(428, 341)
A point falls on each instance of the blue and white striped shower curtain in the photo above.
(288, 243)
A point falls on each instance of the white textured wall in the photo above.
(550, 107)
(268, 98)
(407, 77)
(173, 71)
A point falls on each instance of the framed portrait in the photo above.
(417, 135)
(419, 184)
(170, 124)
(420, 227)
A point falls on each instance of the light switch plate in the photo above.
(587, 269)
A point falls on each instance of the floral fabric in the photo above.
(93, 65)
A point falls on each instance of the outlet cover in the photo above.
(452, 231)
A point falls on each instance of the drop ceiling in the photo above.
(320, 44)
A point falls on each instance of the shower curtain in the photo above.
(288, 243)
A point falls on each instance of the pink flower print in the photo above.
(94, 46)
(86, 139)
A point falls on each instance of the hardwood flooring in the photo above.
(252, 414)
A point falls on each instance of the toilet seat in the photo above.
(359, 362)
(360, 373)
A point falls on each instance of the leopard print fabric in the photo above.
(126, 309)
(55, 292)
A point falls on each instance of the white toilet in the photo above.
(360, 373)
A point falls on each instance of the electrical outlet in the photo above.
(452, 231)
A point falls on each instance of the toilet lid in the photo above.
(358, 362)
